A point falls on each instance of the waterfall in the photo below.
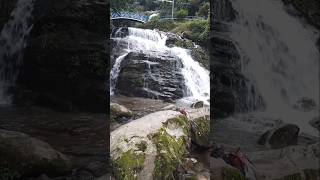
(12, 42)
(153, 42)
(279, 56)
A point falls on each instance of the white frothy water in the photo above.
(12, 42)
(279, 56)
(152, 41)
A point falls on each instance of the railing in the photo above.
(130, 16)
(187, 18)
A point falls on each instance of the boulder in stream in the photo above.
(28, 156)
(117, 112)
(280, 137)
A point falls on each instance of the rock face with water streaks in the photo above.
(145, 75)
(65, 59)
(230, 86)
(154, 145)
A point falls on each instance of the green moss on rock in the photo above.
(231, 174)
(312, 174)
(128, 166)
(201, 131)
(170, 149)
(296, 176)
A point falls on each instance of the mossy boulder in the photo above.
(222, 171)
(22, 155)
(200, 128)
(151, 147)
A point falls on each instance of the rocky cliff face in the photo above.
(6, 8)
(65, 58)
(229, 85)
(143, 75)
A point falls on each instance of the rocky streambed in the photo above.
(164, 144)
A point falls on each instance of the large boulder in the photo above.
(153, 76)
(28, 156)
(280, 137)
(65, 60)
(118, 112)
(152, 146)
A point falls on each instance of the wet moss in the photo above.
(231, 174)
(296, 176)
(170, 151)
(312, 174)
(142, 146)
(180, 121)
(128, 165)
(201, 131)
(9, 174)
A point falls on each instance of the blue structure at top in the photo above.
(129, 16)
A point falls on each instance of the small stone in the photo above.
(197, 105)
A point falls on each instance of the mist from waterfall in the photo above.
(279, 56)
(12, 43)
(154, 42)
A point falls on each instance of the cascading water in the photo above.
(12, 42)
(153, 42)
(279, 55)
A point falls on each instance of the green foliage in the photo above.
(196, 30)
(161, 25)
(9, 174)
(120, 4)
(182, 13)
(170, 150)
(204, 10)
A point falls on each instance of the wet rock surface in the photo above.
(6, 7)
(230, 86)
(280, 137)
(145, 75)
(65, 58)
(30, 156)
(79, 136)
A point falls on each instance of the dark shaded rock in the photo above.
(315, 122)
(66, 55)
(197, 105)
(308, 8)
(305, 104)
(281, 137)
(29, 156)
(146, 75)
(176, 40)
(6, 7)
